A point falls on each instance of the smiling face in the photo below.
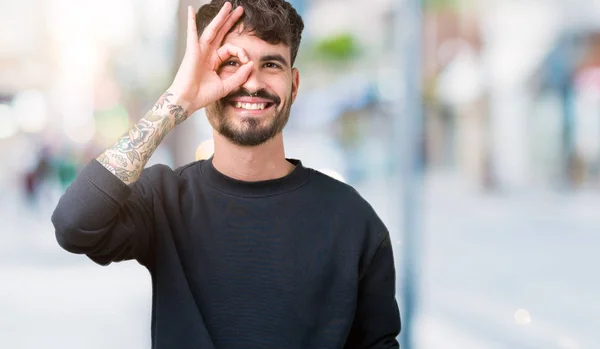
(259, 109)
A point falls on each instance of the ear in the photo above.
(295, 83)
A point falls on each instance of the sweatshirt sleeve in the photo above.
(377, 320)
(104, 218)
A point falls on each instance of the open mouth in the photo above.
(251, 106)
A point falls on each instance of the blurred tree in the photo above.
(441, 4)
(342, 47)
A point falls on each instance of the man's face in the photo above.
(260, 108)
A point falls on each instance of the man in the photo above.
(247, 249)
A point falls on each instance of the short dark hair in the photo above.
(273, 21)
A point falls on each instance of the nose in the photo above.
(254, 81)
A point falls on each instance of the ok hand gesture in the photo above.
(197, 82)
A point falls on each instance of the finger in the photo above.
(228, 50)
(231, 19)
(238, 78)
(213, 27)
(192, 32)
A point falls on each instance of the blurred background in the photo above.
(472, 126)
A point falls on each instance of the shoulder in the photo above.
(156, 174)
(162, 171)
(343, 196)
(357, 217)
(161, 176)
(330, 185)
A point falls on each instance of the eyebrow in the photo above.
(274, 57)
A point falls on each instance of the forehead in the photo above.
(255, 46)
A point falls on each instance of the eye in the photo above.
(229, 66)
(272, 65)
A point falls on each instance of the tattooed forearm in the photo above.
(127, 158)
(179, 113)
(176, 110)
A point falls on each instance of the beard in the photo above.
(249, 131)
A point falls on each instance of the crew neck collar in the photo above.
(298, 177)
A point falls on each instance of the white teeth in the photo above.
(250, 106)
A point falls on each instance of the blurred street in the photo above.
(485, 257)
(515, 271)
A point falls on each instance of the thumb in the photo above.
(237, 79)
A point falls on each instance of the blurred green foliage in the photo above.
(440, 4)
(342, 47)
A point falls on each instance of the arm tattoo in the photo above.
(127, 158)
(176, 110)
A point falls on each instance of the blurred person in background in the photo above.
(248, 248)
(33, 179)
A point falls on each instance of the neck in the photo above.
(263, 162)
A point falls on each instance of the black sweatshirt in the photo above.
(301, 261)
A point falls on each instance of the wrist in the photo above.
(175, 106)
(178, 99)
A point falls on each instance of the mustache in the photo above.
(262, 93)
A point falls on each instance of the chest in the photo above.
(271, 243)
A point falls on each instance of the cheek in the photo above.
(282, 88)
(286, 94)
(214, 110)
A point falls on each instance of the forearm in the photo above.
(97, 215)
(126, 158)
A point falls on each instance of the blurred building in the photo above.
(67, 82)
(499, 109)
(567, 95)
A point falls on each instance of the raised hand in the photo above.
(197, 82)
(196, 85)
